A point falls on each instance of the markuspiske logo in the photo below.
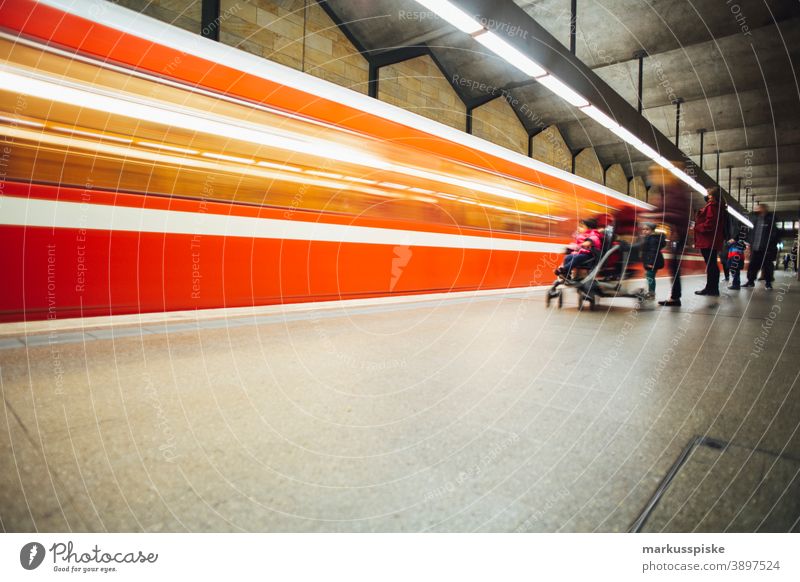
(31, 555)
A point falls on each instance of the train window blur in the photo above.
(75, 145)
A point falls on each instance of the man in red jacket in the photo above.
(709, 236)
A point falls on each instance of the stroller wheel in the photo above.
(560, 300)
(552, 294)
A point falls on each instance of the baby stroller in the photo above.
(605, 275)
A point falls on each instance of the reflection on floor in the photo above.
(454, 415)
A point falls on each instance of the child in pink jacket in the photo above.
(588, 241)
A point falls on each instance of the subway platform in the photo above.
(475, 412)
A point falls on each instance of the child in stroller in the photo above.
(584, 250)
(609, 261)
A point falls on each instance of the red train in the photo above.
(148, 169)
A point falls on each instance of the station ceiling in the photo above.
(733, 64)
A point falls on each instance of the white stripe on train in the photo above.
(59, 214)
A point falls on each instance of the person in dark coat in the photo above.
(763, 241)
(673, 203)
(652, 259)
(709, 235)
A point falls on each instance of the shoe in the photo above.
(749, 284)
(701, 292)
(735, 287)
(713, 293)
(768, 285)
(670, 303)
(727, 279)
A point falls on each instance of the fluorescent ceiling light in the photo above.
(421, 191)
(733, 212)
(646, 150)
(92, 134)
(455, 16)
(600, 117)
(223, 157)
(562, 90)
(626, 136)
(514, 57)
(161, 146)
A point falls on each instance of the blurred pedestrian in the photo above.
(736, 248)
(652, 259)
(673, 202)
(763, 247)
(709, 234)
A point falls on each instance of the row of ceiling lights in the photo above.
(464, 22)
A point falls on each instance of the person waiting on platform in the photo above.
(763, 247)
(709, 234)
(585, 248)
(652, 259)
(736, 250)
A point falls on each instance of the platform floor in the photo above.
(490, 413)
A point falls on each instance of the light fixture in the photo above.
(511, 55)
(599, 116)
(562, 90)
(733, 212)
(452, 14)
(226, 158)
(646, 150)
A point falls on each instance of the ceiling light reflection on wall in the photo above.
(17, 121)
(324, 174)
(226, 158)
(169, 148)
(73, 131)
(278, 166)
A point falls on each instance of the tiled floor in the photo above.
(492, 414)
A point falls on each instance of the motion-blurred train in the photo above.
(145, 168)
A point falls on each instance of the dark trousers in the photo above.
(723, 258)
(712, 270)
(735, 266)
(761, 261)
(675, 266)
(572, 261)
